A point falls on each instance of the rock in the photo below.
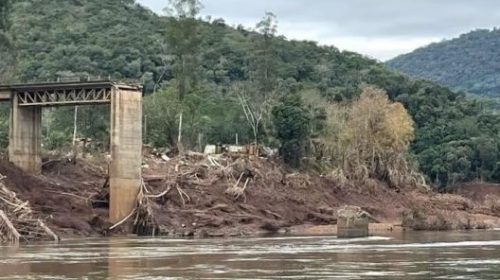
(352, 222)
(270, 227)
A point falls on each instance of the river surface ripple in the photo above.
(412, 255)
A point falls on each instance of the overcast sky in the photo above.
(378, 28)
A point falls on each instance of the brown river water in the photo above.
(406, 255)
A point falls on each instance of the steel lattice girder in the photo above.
(61, 94)
(64, 97)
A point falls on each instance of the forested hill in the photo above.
(469, 62)
(56, 39)
(113, 38)
(123, 40)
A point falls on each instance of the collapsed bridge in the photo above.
(26, 103)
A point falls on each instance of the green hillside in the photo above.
(468, 63)
(455, 140)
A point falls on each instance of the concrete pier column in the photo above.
(126, 156)
(25, 137)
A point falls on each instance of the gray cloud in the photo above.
(379, 28)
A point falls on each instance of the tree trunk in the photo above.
(145, 133)
(200, 138)
(179, 136)
(75, 120)
(255, 135)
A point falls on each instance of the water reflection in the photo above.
(457, 255)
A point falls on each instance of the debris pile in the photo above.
(229, 194)
(234, 173)
(18, 222)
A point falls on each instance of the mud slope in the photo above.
(62, 195)
(73, 199)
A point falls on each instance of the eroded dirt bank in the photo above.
(205, 199)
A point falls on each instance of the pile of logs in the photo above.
(18, 222)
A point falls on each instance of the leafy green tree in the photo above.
(485, 157)
(183, 41)
(160, 111)
(92, 122)
(291, 122)
(209, 118)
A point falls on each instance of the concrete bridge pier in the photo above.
(126, 151)
(25, 137)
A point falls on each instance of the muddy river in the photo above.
(412, 255)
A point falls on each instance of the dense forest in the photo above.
(227, 82)
(468, 63)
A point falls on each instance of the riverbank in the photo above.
(206, 199)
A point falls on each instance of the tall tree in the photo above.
(257, 96)
(291, 121)
(183, 40)
(263, 66)
(253, 107)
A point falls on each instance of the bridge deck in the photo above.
(60, 94)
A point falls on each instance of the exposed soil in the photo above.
(72, 198)
(62, 195)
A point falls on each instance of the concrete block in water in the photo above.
(352, 222)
